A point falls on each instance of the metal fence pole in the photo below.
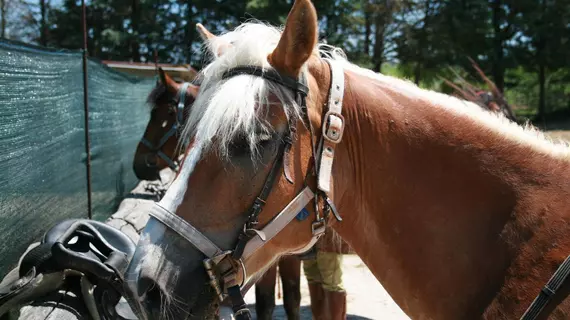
(86, 111)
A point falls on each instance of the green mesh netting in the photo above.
(117, 118)
(42, 147)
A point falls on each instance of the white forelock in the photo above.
(235, 108)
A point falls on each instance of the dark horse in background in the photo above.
(159, 148)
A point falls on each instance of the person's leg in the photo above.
(290, 271)
(330, 269)
(318, 302)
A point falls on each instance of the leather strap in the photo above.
(239, 307)
(181, 102)
(157, 150)
(332, 127)
(269, 74)
(250, 230)
(549, 290)
(279, 222)
(185, 230)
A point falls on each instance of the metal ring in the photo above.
(244, 274)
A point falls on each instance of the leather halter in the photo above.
(226, 269)
(157, 149)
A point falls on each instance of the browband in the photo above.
(271, 75)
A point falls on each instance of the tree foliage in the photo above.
(523, 45)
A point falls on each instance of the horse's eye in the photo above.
(239, 146)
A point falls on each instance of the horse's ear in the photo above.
(213, 40)
(168, 82)
(205, 34)
(298, 39)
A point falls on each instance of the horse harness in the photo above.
(226, 269)
(156, 150)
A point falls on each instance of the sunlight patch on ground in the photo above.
(366, 298)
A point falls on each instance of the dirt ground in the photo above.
(559, 135)
(366, 299)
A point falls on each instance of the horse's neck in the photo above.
(439, 208)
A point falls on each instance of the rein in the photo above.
(156, 150)
(548, 291)
(226, 269)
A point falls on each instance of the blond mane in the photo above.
(225, 109)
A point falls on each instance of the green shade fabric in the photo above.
(42, 141)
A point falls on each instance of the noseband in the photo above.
(226, 269)
(156, 150)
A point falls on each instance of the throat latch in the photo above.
(332, 133)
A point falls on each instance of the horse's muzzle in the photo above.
(166, 277)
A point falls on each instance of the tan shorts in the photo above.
(326, 269)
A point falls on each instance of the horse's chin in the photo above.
(209, 312)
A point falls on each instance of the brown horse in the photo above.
(458, 212)
(159, 149)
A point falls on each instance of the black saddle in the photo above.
(75, 253)
(109, 238)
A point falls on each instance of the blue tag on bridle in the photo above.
(302, 215)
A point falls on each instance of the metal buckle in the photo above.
(227, 275)
(243, 312)
(333, 127)
(318, 227)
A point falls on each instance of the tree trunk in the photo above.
(43, 23)
(368, 27)
(3, 18)
(541, 90)
(422, 42)
(498, 61)
(135, 18)
(329, 26)
(541, 55)
(378, 57)
(190, 31)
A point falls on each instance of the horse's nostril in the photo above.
(150, 296)
(148, 287)
(151, 160)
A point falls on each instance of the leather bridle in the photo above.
(156, 150)
(226, 269)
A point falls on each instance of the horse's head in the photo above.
(159, 146)
(245, 193)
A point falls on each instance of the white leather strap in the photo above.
(333, 126)
(279, 222)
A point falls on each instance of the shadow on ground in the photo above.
(279, 313)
